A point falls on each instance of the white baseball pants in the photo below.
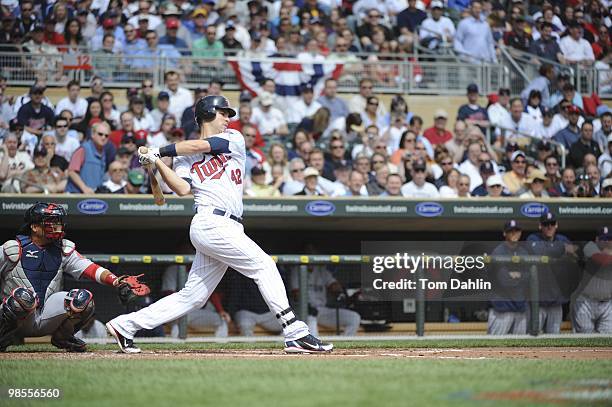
(220, 242)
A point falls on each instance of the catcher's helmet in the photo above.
(50, 216)
(206, 108)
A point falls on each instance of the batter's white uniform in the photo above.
(217, 184)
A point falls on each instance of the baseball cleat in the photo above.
(126, 345)
(308, 344)
(71, 344)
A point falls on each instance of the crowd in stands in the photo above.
(327, 144)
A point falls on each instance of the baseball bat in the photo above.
(158, 195)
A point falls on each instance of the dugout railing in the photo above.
(348, 264)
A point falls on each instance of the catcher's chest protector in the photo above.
(40, 264)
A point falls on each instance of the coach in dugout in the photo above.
(555, 276)
(508, 312)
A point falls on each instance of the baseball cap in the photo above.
(548, 217)
(573, 24)
(136, 177)
(504, 91)
(108, 23)
(209, 2)
(544, 145)
(128, 138)
(487, 168)
(257, 171)
(536, 174)
(172, 10)
(245, 96)
(494, 180)
(123, 150)
(440, 114)
(512, 146)
(200, 12)
(437, 4)
(172, 23)
(266, 99)
(163, 96)
(419, 165)
(307, 87)
(493, 98)
(511, 225)
(38, 28)
(601, 109)
(140, 137)
(573, 109)
(604, 233)
(230, 25)
(255, 36)
(517, 154)
(37, 89)
(311, 172)
(547, 111)
(472, 88)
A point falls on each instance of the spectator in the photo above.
(42, 178)
(536, 185)
(570, 95)
(109, 28)
(514, 179)
(474, 38)
(133, 45)
(336, 157)
(436, 29)
(296, 171)
(245, 114)
(50, 35)
(56, 162)
(567, 186)
(229, 40)
(109, 113)
(449, 184)
(144, 14)
(520, 125)
(551, 169)
(370, 115)
(472, 113)
(393, 186)
(337, 106)
(605, 160)
(584, 145)
(376, 185)
(602, 136)
(471, 166)
(161, 109)
(606, 188)
(518, 37)
(92, 115)
(187, 122)
(547, 46)
(311, 187)
(499, 112)
(495, 187)
(34, 116)
(116, 182)
(277, 155)
(180, 97)
(592, 299)
(508, 312)
(409, 19)
(541, 83)
(135, 182)
(254, 156)
(146, 61)
(88, 163)
(77, 105)
(44, 57)
(554, 245)
(419, 187)
(142, 119)
(208, 46)
(576, 49)
(13, 163)
(357, 104)
(163, 136)
(356, 184)
(438, 134)
(171, 38)
(570, 134)
(305, 107)
(65, 145)
(96, 88)
(258, 187)
(269, 120)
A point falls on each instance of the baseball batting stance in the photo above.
(212, 169)
(31, 268)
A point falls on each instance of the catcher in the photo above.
(31, 268)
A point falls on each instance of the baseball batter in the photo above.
(212, 168)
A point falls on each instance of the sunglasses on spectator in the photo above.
(373, 103)
(419, 170)
(548, 224)
(337, 147)
(363, 86)
(492, 186)
(147, 86)
(297, 170)
(447, 163)
(102, 134)
(61, 126)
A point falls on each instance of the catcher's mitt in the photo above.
(129, 288)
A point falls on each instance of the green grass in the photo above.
(301, 381)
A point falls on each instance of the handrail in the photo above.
(514, 64)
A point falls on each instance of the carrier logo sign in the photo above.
(320, 208)
(429, 209)
(533, 209)
(92, 206)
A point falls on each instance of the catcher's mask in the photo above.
(50, 216)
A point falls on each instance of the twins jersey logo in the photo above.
(214, 168)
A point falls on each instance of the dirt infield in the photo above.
(560, 353)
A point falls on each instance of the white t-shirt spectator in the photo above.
(444, 28)
(267, 122)
(78, 108)
(526, 125)
(427, 190)
(300, 110)
(179, 101)
(576, 50)
(67, 147)
(145, 122)
(157, 140)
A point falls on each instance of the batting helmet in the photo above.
(51, 216)
(206, 108)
